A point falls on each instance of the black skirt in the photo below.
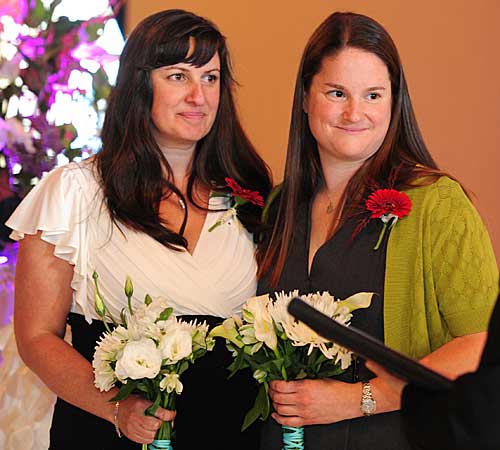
(210, 410)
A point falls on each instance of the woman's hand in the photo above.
(313, 402)
(134, 424)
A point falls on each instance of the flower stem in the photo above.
(380, 237)
(214, 226)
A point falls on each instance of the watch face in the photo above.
(368, 406)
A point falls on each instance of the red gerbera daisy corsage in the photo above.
(389, 205)
(240, 196)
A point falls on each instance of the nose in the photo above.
(352, 111)
(196, 95)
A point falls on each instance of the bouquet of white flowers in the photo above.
(147, 353)
(275, 346)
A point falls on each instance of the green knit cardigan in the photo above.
(441, 278)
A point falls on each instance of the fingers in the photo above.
(135, 424)
(287, 398)
(289, 421)
(165, 414)
(285, 387)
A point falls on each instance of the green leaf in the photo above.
(143, 388)
(93, 30)
(152, 409)
(260, 408)
(182, 367)
(240, 200)
(125, 390)
(330, 372)
(218, 194)
(36, 14)
(165, 314)
(238, 364)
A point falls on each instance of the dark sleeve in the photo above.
(466, 417)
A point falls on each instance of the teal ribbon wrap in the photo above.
(293, 438)
(161, 444)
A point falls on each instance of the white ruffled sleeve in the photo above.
(58, 206)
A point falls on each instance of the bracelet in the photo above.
(117, 428)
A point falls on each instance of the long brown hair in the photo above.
(403, 150)
(131, 165)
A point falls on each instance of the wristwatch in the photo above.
(368, 404)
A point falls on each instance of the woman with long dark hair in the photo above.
(142, 207)
(364, 207)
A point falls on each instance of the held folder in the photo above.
(368, 347)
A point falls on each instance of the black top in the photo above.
(343, 266)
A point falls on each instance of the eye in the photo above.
(211, 78)
(335, 93)
(178, 76)
(374, 96)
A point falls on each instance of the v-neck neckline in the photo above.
(203, 232)
(308, 239)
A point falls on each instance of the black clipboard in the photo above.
(368, 347)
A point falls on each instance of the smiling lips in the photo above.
(192, 115)
(352, 130)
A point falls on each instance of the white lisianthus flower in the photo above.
(171, 382)
(262, 320)
(143, 322)
(140, 359)
(176, 343)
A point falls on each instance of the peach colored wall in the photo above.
(450, 49)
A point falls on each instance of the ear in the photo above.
(305, 103)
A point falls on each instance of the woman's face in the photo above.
(185, 102)
(349, 106)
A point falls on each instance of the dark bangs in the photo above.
(208, 42)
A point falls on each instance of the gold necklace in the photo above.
(329, 207)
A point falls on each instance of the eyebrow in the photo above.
(339, 86)
(182, 69)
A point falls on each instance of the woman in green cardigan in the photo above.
(364, 207)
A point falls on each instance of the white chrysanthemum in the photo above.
(108, 350)
(302, 335)
(104, 375)
(171, 382)
(278, 309)
(139, 359)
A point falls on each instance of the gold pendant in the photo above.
(329, 208)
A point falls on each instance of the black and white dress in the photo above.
(212, 283)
